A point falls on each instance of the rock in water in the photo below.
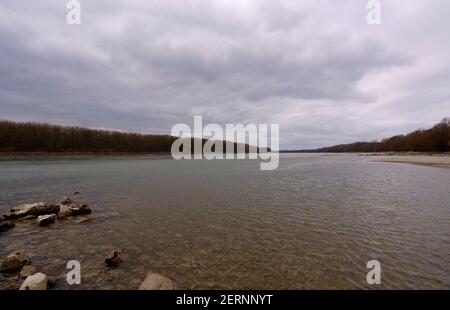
(45, 220)
(114, 259)
(64, 211)
(154, 281)
(84, 219)
(36, 209)
(47, 209)
(37, 281)
(27, 271)
(70, 208)
(51, 282)
(22, 210)
(80, 210)
(5, 226)
(14, 262)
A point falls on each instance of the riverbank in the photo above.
(436, 160)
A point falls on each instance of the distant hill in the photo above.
(41, 138)
(435, 139)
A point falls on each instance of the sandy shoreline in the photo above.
(433, 160)
(442, 161)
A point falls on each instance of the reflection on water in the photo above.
(312, 224)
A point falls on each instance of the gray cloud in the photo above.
(315, 67)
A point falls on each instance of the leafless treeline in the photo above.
(33, 137)
(436, 139)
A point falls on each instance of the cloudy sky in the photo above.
(315, 67)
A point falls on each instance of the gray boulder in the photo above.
(14, 262)
(35, 282)
(22, 210)
(45, 220)
(154, 281)
(64, 211)
(35, 209)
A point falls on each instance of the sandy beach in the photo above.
(426, 160)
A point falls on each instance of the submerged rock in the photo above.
(14, 262)
(45, 220)
(114, 259)
(84, 219)
(51, 282)
(5, 226)
(10, 283)
(73, 209)
(28, 270)
(35, 209)
(37, 281)
(80, 210)
(154, 281)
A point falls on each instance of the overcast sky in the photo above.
(315, 67)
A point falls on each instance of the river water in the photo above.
(314, 223)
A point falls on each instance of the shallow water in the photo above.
(312, 224)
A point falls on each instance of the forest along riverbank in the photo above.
(17, 267)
